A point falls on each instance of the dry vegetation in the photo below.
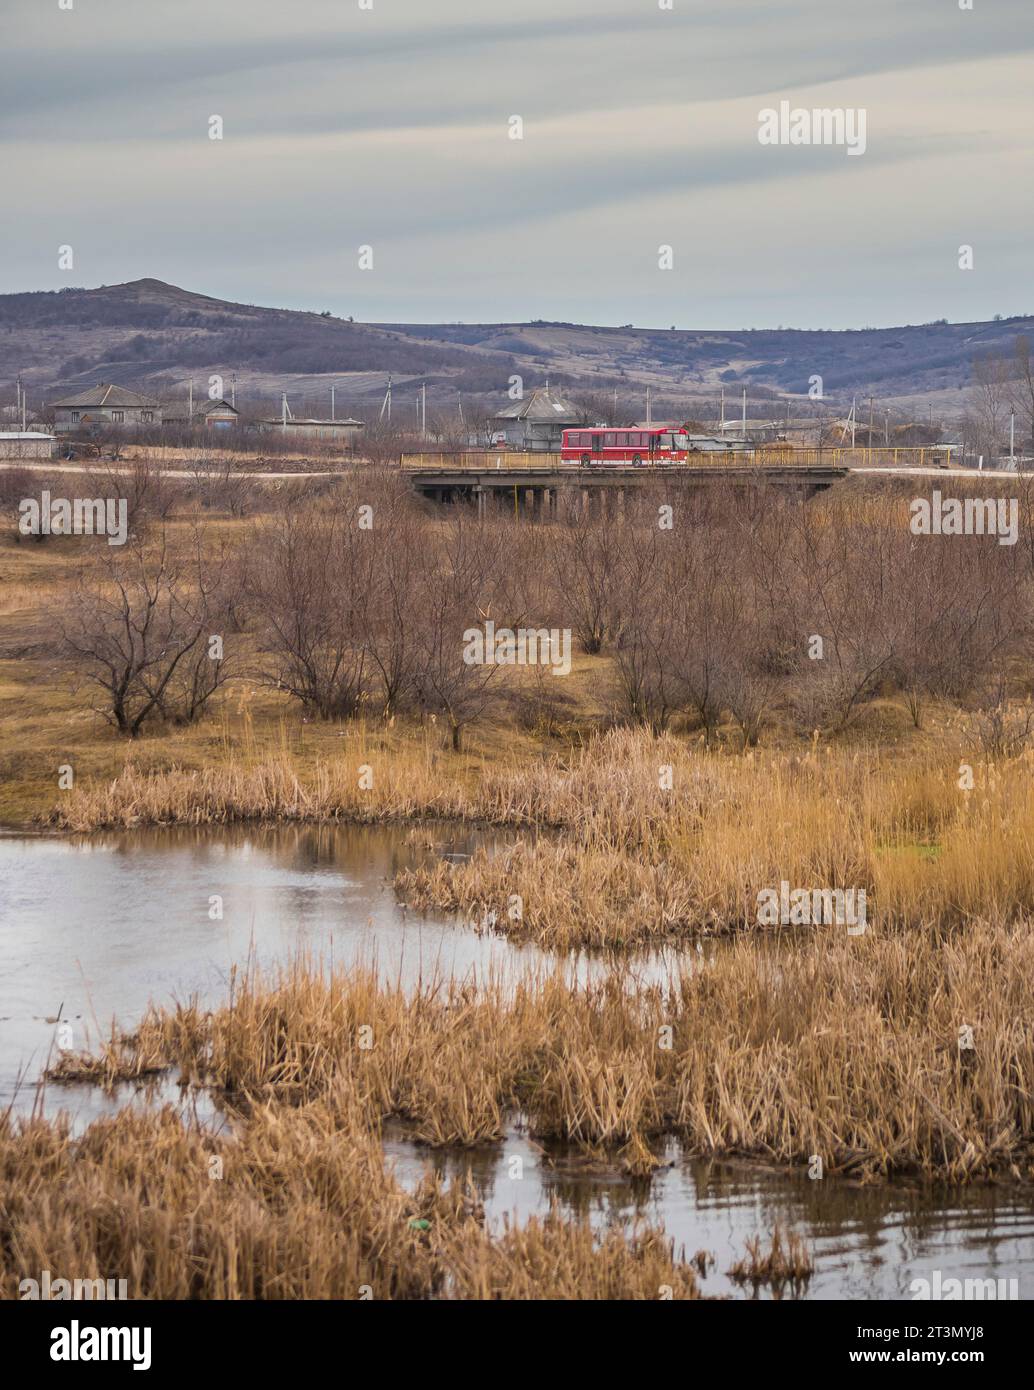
(848, 1048)
(696, 755)
(305, 1208)
(787, 1263)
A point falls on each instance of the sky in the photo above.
(389, 124)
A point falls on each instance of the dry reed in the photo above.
(881, 1055)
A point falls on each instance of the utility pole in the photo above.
(284, 410)
(723, 413)
(190, 401)
(233, 390)
(332, 414)
(386, 403)
(743, 426)
(870, 423)
(649, 409)
(423, 411)
(886, 428)
(854, 414)
(1012, 439)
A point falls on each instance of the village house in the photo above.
(104, 406)
(536, 423)
(207, 415)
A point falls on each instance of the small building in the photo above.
(711, 444)
(207, 415)
(536, 423)
(104, 406)
(326, 431)
(698, 443)
(26, 444)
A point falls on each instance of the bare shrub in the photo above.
(137, 630)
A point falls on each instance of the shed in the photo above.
(26, 444)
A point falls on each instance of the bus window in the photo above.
(608, 440)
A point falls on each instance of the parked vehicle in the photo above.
(626, 447)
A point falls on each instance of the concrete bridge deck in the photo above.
(544, 484)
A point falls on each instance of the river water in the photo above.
(94, 929)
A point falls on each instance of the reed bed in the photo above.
(638, 864)
(302, 1206)
(880, 1055)
(660, 837)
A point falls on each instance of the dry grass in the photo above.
(844, 1048)
(636, 862)
(787, 1261)
(639, 864)
(304, 1208)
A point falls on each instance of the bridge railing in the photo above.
(764, 456)
(484, 460)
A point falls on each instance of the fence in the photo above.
(764, 456)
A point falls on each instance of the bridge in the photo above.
(543, 484)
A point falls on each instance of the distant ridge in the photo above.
(151, 335)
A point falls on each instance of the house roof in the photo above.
(542, 404)
(180, 410)
(107, 396)
(295, 420)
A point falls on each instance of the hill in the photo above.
(155, 336)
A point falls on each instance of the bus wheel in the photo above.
(586, 460)
(637, 460)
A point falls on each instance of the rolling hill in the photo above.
(155, 336)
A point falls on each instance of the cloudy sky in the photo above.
(389, 126)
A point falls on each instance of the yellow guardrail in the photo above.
(484, 460)
(765, 456)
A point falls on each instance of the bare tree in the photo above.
(988, 405)
(1021, 392)
(457, 597)
(138, 626)
(310, 582)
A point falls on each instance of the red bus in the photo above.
(661, 444)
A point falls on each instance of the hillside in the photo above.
(155, 336)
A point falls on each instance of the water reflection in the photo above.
(868, 1242)
(94, 929)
